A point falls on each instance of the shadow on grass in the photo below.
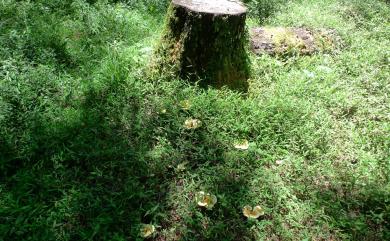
(360, 214)
(86, 167)
(89, 173)
(91, 176)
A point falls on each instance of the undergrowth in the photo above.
(92, 146)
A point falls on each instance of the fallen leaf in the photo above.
(242, 145)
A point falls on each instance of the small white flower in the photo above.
(181, 167)
(279, 162)
(192, 124)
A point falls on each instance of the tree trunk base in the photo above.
(206, 41)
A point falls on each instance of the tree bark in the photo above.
(206, 40)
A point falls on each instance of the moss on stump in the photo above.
(286, 41)
(206, 40)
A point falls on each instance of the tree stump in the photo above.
(286, 41)
(206, 40)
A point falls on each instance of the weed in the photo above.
(92, 146)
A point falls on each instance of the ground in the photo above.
(92, 146)
(292, 41)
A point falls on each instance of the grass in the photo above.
(91, 146)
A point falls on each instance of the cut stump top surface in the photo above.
(219, 7)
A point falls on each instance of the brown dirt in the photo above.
(285, 40)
